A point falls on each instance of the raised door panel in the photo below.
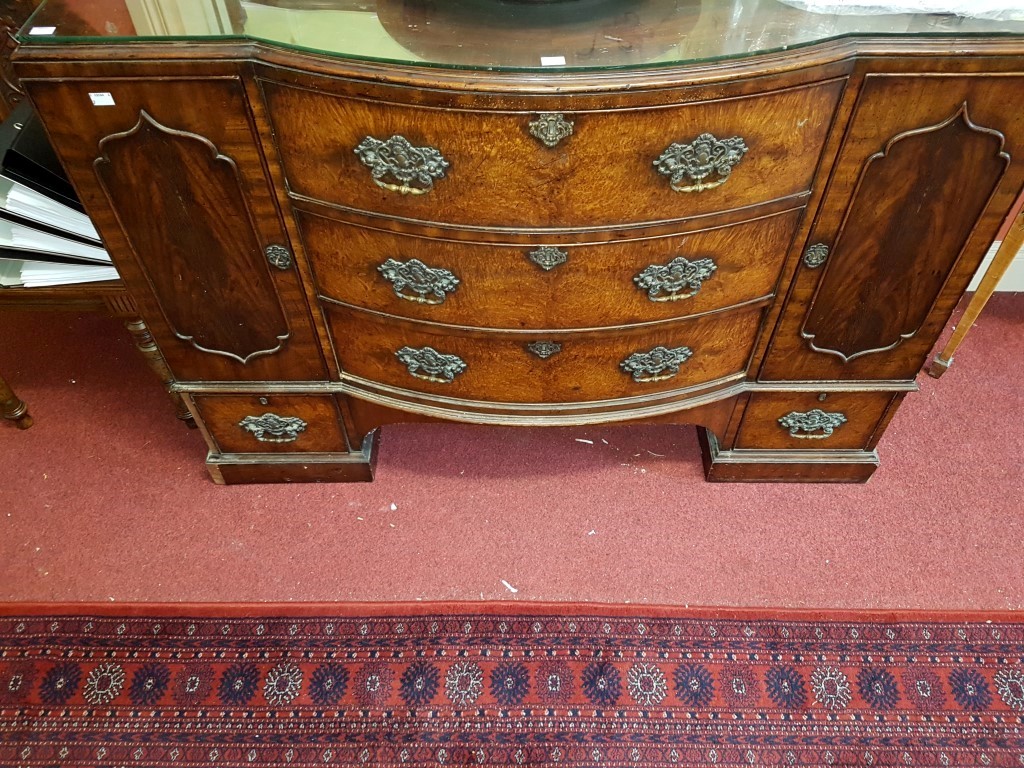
(173, 176)
(183, 209)
(925, 176)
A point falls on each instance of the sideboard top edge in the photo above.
(53, 61)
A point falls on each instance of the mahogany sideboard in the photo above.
(727, 213)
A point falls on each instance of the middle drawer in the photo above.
(593, 285)
(546, 367)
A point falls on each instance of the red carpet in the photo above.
(106, 498)
(503, 685)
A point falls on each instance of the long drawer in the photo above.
(517, 286)
(555, 367)
(603, 168)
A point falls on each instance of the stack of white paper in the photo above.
(24, 238)
(999, 10)
(16, 273)
(24, 201)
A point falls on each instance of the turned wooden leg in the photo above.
(13, 408)
(147, 346)
(1009, 248)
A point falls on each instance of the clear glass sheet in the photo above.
(492, 34)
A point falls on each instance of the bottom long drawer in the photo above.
(555, 367)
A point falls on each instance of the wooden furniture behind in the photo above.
(107, 297)
(13, 13)
(13, 408)
(1006, 253)
(767, 247)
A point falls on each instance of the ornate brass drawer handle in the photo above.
(658, 364)
(430, 365)
(414, 168)
(679, 279)
(816, 424)
(544, 349)
(550, 128)
(271, 428)
(429, 285)
(689, 166)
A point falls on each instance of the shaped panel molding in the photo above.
(912, 212)
(182, 207)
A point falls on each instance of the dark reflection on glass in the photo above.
(495, 34)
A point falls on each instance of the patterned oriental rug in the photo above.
(506, 684)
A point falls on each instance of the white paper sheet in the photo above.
(1000, 10)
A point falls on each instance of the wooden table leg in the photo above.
(147, 346)
(122, 306)
(13, 408)
(1009, 248)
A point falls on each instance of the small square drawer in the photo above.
(813, 421)
(272, 423)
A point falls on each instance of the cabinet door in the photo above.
(172, 174)
(929, 168)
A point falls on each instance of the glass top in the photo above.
(514, 34)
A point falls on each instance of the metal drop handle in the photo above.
(815, 424)
(679, 279)
(271, 428)
(702, 164)
(430, 365)
(658, 364)
(413, 280)
(397, 166)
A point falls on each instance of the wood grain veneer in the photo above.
(499, 286)
(500, 367)
(499, 175)
(761, 427)
(225, 416)
(875, 176)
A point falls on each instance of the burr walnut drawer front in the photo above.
(812, 420)
(551, 169)
(544, 367)
(543, 286)
(272, 423)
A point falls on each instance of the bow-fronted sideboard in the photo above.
(734, 214)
